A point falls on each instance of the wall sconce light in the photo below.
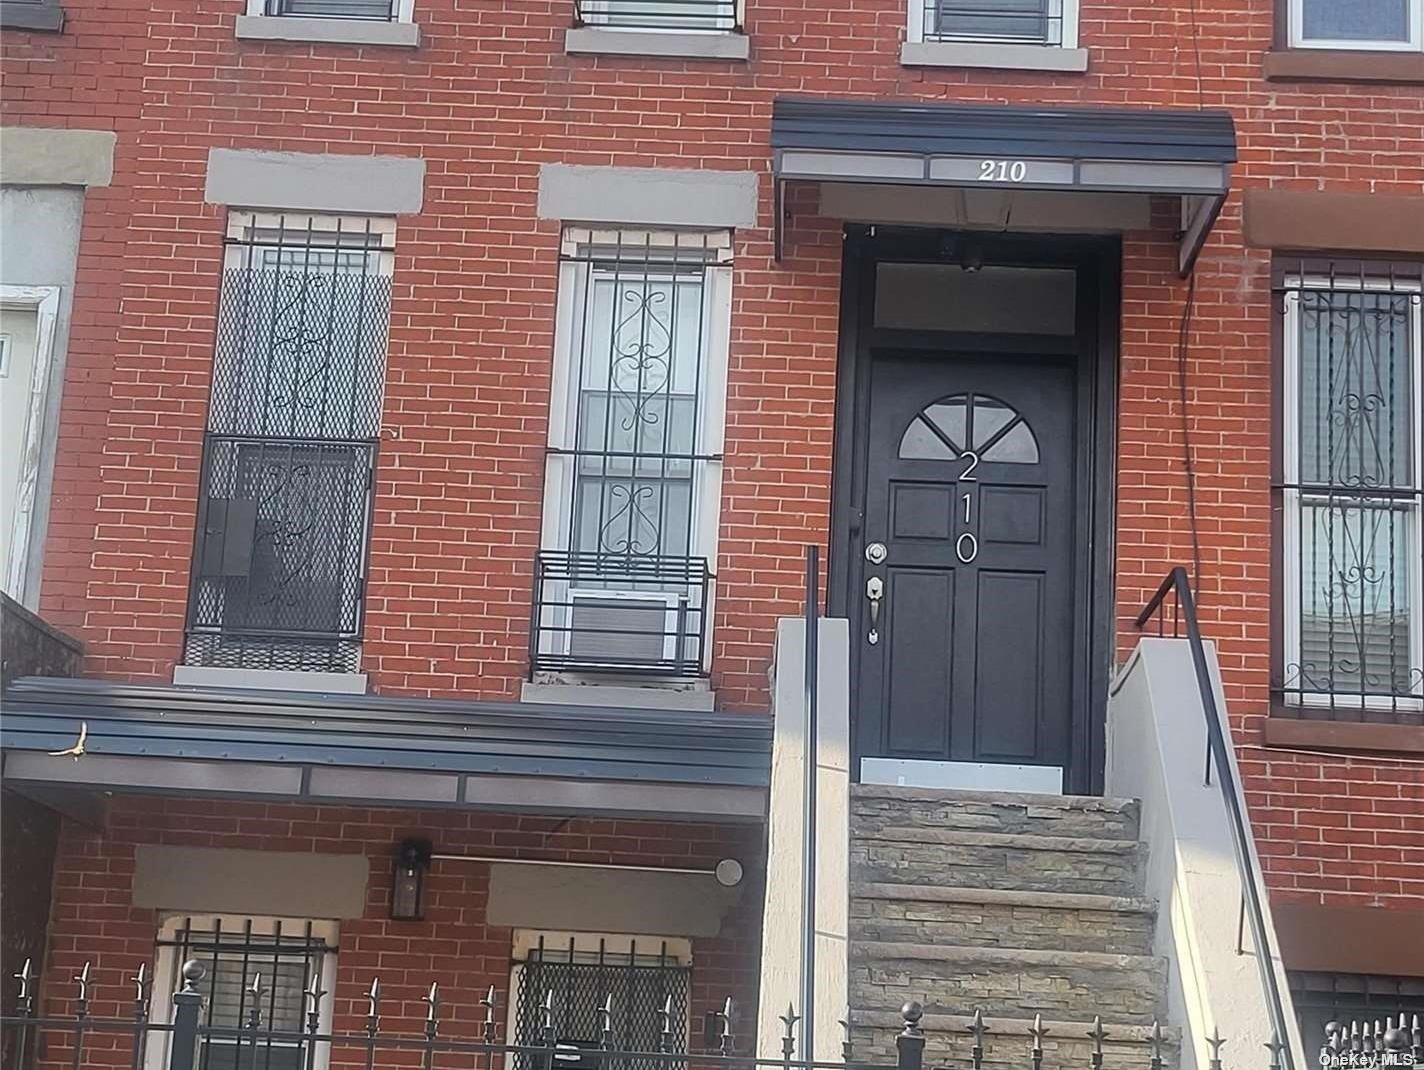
(408, 885)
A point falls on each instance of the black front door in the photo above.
(969, 490)
(972, 542)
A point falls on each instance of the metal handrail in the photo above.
(811, 758)
(1185, 619)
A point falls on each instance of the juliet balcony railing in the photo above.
(1025, 22)
(369, 10)
(620, 614)
(696, 16)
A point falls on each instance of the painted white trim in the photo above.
(1297, 38)
(1066, 10)
(1291, 499)
(44, 300)
(167, 972)
(405, 11)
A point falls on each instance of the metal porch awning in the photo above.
(374, 750)
(1101, 150)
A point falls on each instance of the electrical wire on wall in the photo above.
(1184, 330)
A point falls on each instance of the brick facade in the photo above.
(490, 96)
(94, 918)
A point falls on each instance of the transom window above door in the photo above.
(1389, 25)
(1352, 602)
(969, 425)
(1051, 23)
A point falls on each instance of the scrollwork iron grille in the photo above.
(687, 15)
(631, 440)
(288, 459)
(370, 10)
(1034, 22)
(586, 1003)
(1352, 609)
(1354, 1004)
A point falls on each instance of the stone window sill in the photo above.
(598, 41)
(327, 31)
(1328, 65)
(1289, 731)
(326, 683)
(565, 689)
(45, 16)
(993, 57)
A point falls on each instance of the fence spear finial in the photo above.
(488, 1030)
(788, 1031)
(25, 977)
(1156, 1041)
(1097, 1035)
(978, 1028)
(726, 1018)
(1215, 1042)
(1275, 1047)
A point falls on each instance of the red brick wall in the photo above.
(93, 919)
(489, 97)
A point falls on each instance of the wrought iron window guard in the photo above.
(620, 613)
(422, 1038)
(1353, 1013)
(696, 16)
(1351, 492)
(1019, 22)
(369, 10)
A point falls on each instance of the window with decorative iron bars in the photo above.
(585, 992)
(368, 10)
(1352, 609)
(273, 971)
(279, 569)
(1352, 1001)
(633, 482)
(1052, 23)
(680, 16)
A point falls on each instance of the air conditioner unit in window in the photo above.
(626, 628)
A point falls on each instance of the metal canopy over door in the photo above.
(968, 551)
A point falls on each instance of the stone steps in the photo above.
(902, 854)
(994, 917)
(1008, 981)
(1013, 904)
(1007, 1043)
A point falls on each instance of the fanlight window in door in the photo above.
(969, 424)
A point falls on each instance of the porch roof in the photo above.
(385, 751)
(1012, 150)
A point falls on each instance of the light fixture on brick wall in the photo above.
(408, 884)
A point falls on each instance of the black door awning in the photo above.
(1092, 150)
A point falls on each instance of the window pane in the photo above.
(661, 14)
(996, 20)
(1357, 418)
(340, 9)
(1355, 582)
(1355, 20)
(991, 300)
(633, 516)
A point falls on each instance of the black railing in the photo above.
(1184, 625)
(371, 10)
(620, 613)
(1033, 22)
(431, 1036)
(688, 15)
(809, 808)
(1351, 492)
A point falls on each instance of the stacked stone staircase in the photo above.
(1013, 905)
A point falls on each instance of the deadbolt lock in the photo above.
(876, 553)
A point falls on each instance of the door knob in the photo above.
(874, 592)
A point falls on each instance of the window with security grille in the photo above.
(1385, 25)
(1353, 611)
(1031, 22)
(634, 453)
(368, 10)
(262, 980)
(717, 16)
(284, 511)
(582, 992)
(1346, 1006)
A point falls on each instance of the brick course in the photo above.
(487, 98)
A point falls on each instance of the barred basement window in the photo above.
(1352, 1001)
(279, 569)
(633, 480)
(271, 972)
(1353, 611)
(590, 991)
(369, 10)
(1053, 23)
(686, 16)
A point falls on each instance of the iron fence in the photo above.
(620, 613)
(687, 15)
(579, 1034)
(1033, 22)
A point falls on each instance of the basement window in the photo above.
(367, 10)
(1352, 603)
(578, 985)
(664, 16)
(1381, 25)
